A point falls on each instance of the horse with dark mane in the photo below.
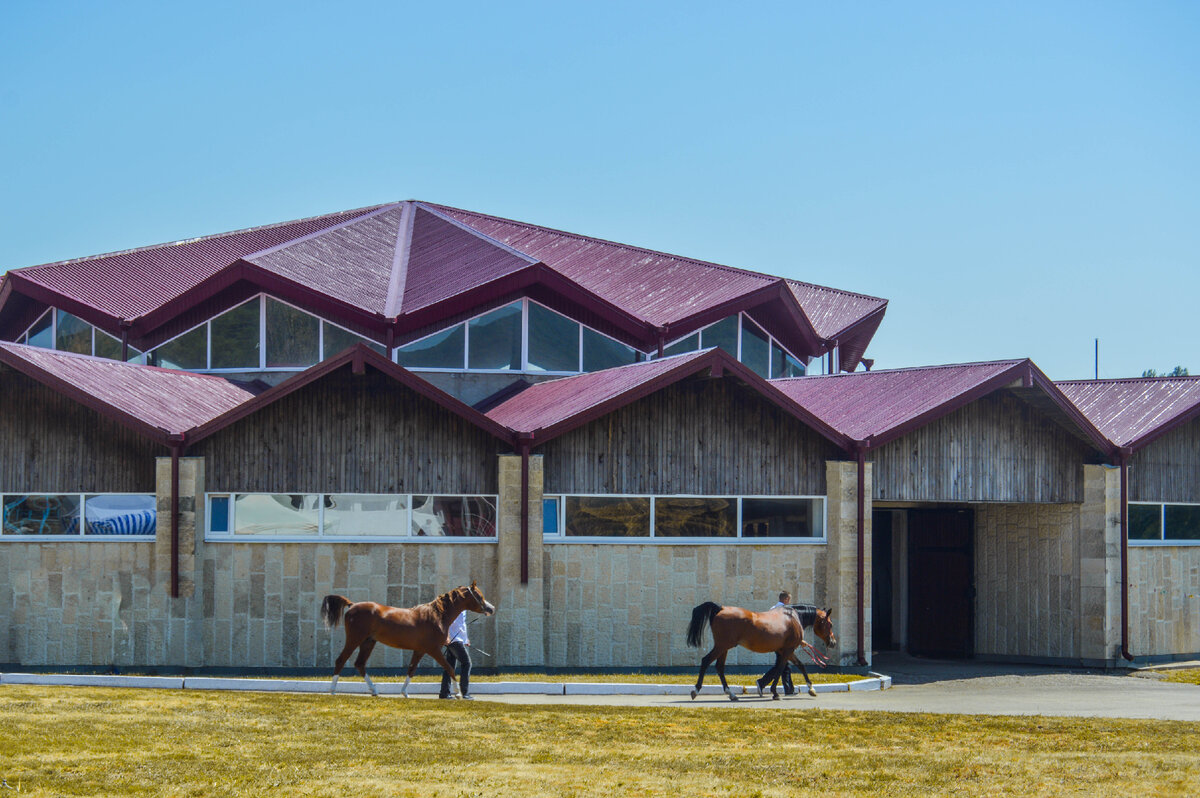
(777, 631)
(422, 629)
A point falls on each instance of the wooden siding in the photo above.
(702, 436)
(348, 433)
(51, 443)
(996, 449)
(1168, 469)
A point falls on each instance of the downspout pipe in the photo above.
(860, 452)
(525, 442)
(177, 444)
(1123, 463)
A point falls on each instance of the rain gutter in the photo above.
(177, 443)
(524, 442)
(860, 453)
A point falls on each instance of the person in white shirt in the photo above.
(785, 599)
(457, 643)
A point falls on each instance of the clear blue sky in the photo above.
(1018, 178)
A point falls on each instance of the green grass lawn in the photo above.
(114, 742)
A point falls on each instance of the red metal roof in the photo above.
(547, 409)
(157, 402)
(129, 284)
(412, 264)
(876, 407)
(1133, 412)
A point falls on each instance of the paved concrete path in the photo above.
(959, 688)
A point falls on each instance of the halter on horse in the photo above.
(421, 629)
(776, 631)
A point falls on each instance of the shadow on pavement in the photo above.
(912, 670)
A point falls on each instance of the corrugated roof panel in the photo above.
(352, 262)
(173, 401)
(445, 260)
(128, 284)
(872, 403)
(657, 287)
(1129, 410)
(546, 404)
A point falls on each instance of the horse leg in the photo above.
(812, 691)
(352, 642)
(704, 663)
(721, 673)
(360, 663)
(412, 668)
(441, 660)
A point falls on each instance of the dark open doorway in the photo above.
(941, 585)
(883, 635)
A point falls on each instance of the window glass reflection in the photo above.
(292, 336)
(782, 518)
(1145, 522)
(607, 516)
(188, 352)
(235, 335)
(42, 332)
(723, 334)
(359, 514)
(494, 340)
(443, 350)
(275, 514)
(695, 517)
(337, 340)
(73, 334)
(553, 341)
(453, 516)
(755, 348)
(601, 352)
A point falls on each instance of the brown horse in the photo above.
(421, 629)
(777, 631)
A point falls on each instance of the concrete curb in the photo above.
(352, 685)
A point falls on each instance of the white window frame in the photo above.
(1162, 524)
(525, 368)
(650, 540)
(261, 298)
(771, 341)
(320, 537)
(79, 537)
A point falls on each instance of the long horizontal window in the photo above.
(57, 329)
(27, 515)
(1164, 523)
(690, 518)
(742, 338)
(523, 336)
(345, 516)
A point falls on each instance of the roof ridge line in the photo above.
(835, 290)
(210, 237)
(466, 228)
(1007, 361)
(117, 363)
(1179, 377)
(399, 276)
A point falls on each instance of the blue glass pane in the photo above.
(549, 516)
(495, 340)
(218, 514)
(723, 334)
(443, 350)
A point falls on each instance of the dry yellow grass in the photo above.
(96, 741)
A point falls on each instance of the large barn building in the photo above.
(199, 440)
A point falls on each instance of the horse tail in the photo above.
(701, 615)
(332, 608)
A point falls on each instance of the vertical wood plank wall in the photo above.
(1168, 469)
(701, 436)
(49, 443)
(997, 449)
(350, 433)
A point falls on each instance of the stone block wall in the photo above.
(841, 560)
(617, 605)
(1164, 601)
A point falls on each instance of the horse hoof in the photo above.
(774, 696)
(693, 695)
(732, 697)
(812, 692)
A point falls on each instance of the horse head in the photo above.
(476, 602)
(823, 627)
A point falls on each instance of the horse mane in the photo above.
(807, 613)
(446, 600)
